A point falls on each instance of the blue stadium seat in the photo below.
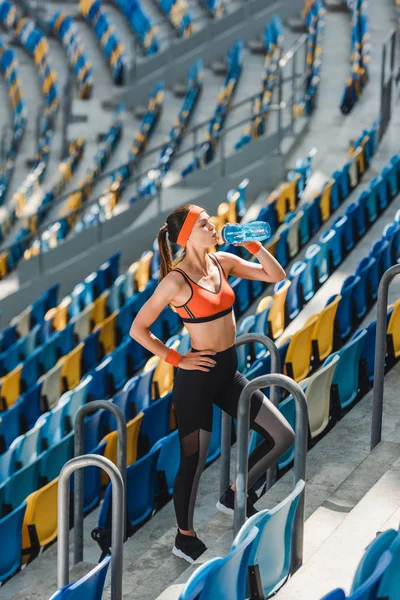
(311, 276)
(52, 460)
(356, 213)
(8, 337)
(168, 463)
(26, 448)
(344, 227)
(118, 368)
(155, 424)
(30, 370)
(392, 235)
(271, 550)
(10, 425)
(30, 406)
(11, 533)
(76, 398)
(368, 591)
(222, 578)
(288, 409)
(19, 486)
(371, 556)
(345, 382)
(91, 481)
(360, 300)
(90, 352)
(140, 390)
(389, 586)
(367, 270)
(294, 298)
(89, 587)
(331, 251)
(100, 388)
(345, 314)
(305, 225)
(94, 428)
(140, 491)
(50, 352)
(241, 289)
(381, 252)
(53, 422)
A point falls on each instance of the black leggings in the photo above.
(193, 396)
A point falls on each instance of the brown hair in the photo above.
(173, 226)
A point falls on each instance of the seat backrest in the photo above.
(368, 590)
(390, 584)
(132, 436)
(276, 317)
(156, 420)
(11, 533)
(324, 329)
(223, 578)
(298, 357)
(372, 554)
(41, 512)
(21, 484)
(72, 369)
(51, 384)
(393, 329)
(89, 587)
(318, 396)
(271, 549)
(346, 373)
(26, 448)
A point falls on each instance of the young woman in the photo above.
(207, 373)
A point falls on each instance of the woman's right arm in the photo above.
(164, 293)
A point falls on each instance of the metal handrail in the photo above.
(380, 353)
(226, 425)
(299, 471)
(118, 500)
(79, 450)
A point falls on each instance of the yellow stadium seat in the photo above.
(322, 334)
(288, 194)
(10, 387)
(232, 214)
(99, 310)
(163, 377)
(277, 318)
(298, 357)
(52, 386)
(132, 438)
(263, 304)
(325, 202)
(3, 264)
(393, 332)
(59, 314)
(271, 246)
(40, 522)
(72, 371)
(360, 159)
(108, 334)
(223, 211)
(84, 6)
(318, 396)
(143, 271)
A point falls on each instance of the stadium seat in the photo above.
(370, 587)
(310, 278)
(119, 368)
(155, 424)
(53, 459)
(222, 578)
(389, 586)
(107, 336)
(331, 250)
(90, 352)
(10, 425)
(371, 556)
(345, 383)
(260, 324)
(40, 522)
(72, 368)
(270, 552)
(30, 370)
(94, 429)
(140, 491)
(11, 533)
(344, 228)
(89, 587)
(76, 398)
(356, 213)
(298, 357)
(393, 332)
(82, 323)
(381, 252)
(51, 385)
(345, 313)
(10, 387)
(163, 376)
(318, 395)
(367, 270)
(132, 437)
(26, 448)
(167, 464)
(323, 332)
(29, 403)
(277, 318)
(294, 298)
(19, 486)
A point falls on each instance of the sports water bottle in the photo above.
(255, 231)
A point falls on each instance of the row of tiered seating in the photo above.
(23, 246)
(164, 160)
(314, 16)
(376, 575)
(65, 28)
(9, 67)
(60, 320)
(97, 16)
(141, 25)
(110, 197)
(35, 43)
(360, 55)
(178, 15)
(260, 108)
(206, 151)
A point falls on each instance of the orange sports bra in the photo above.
(205, 305)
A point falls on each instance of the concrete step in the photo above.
(337, 558)
(322, 522)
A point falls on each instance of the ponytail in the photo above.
(165, 252)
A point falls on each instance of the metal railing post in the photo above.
(299, 471)
(380, 353)
(118, 499)
(79, 450)
(227, 419)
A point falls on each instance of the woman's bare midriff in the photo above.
(217, 335)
